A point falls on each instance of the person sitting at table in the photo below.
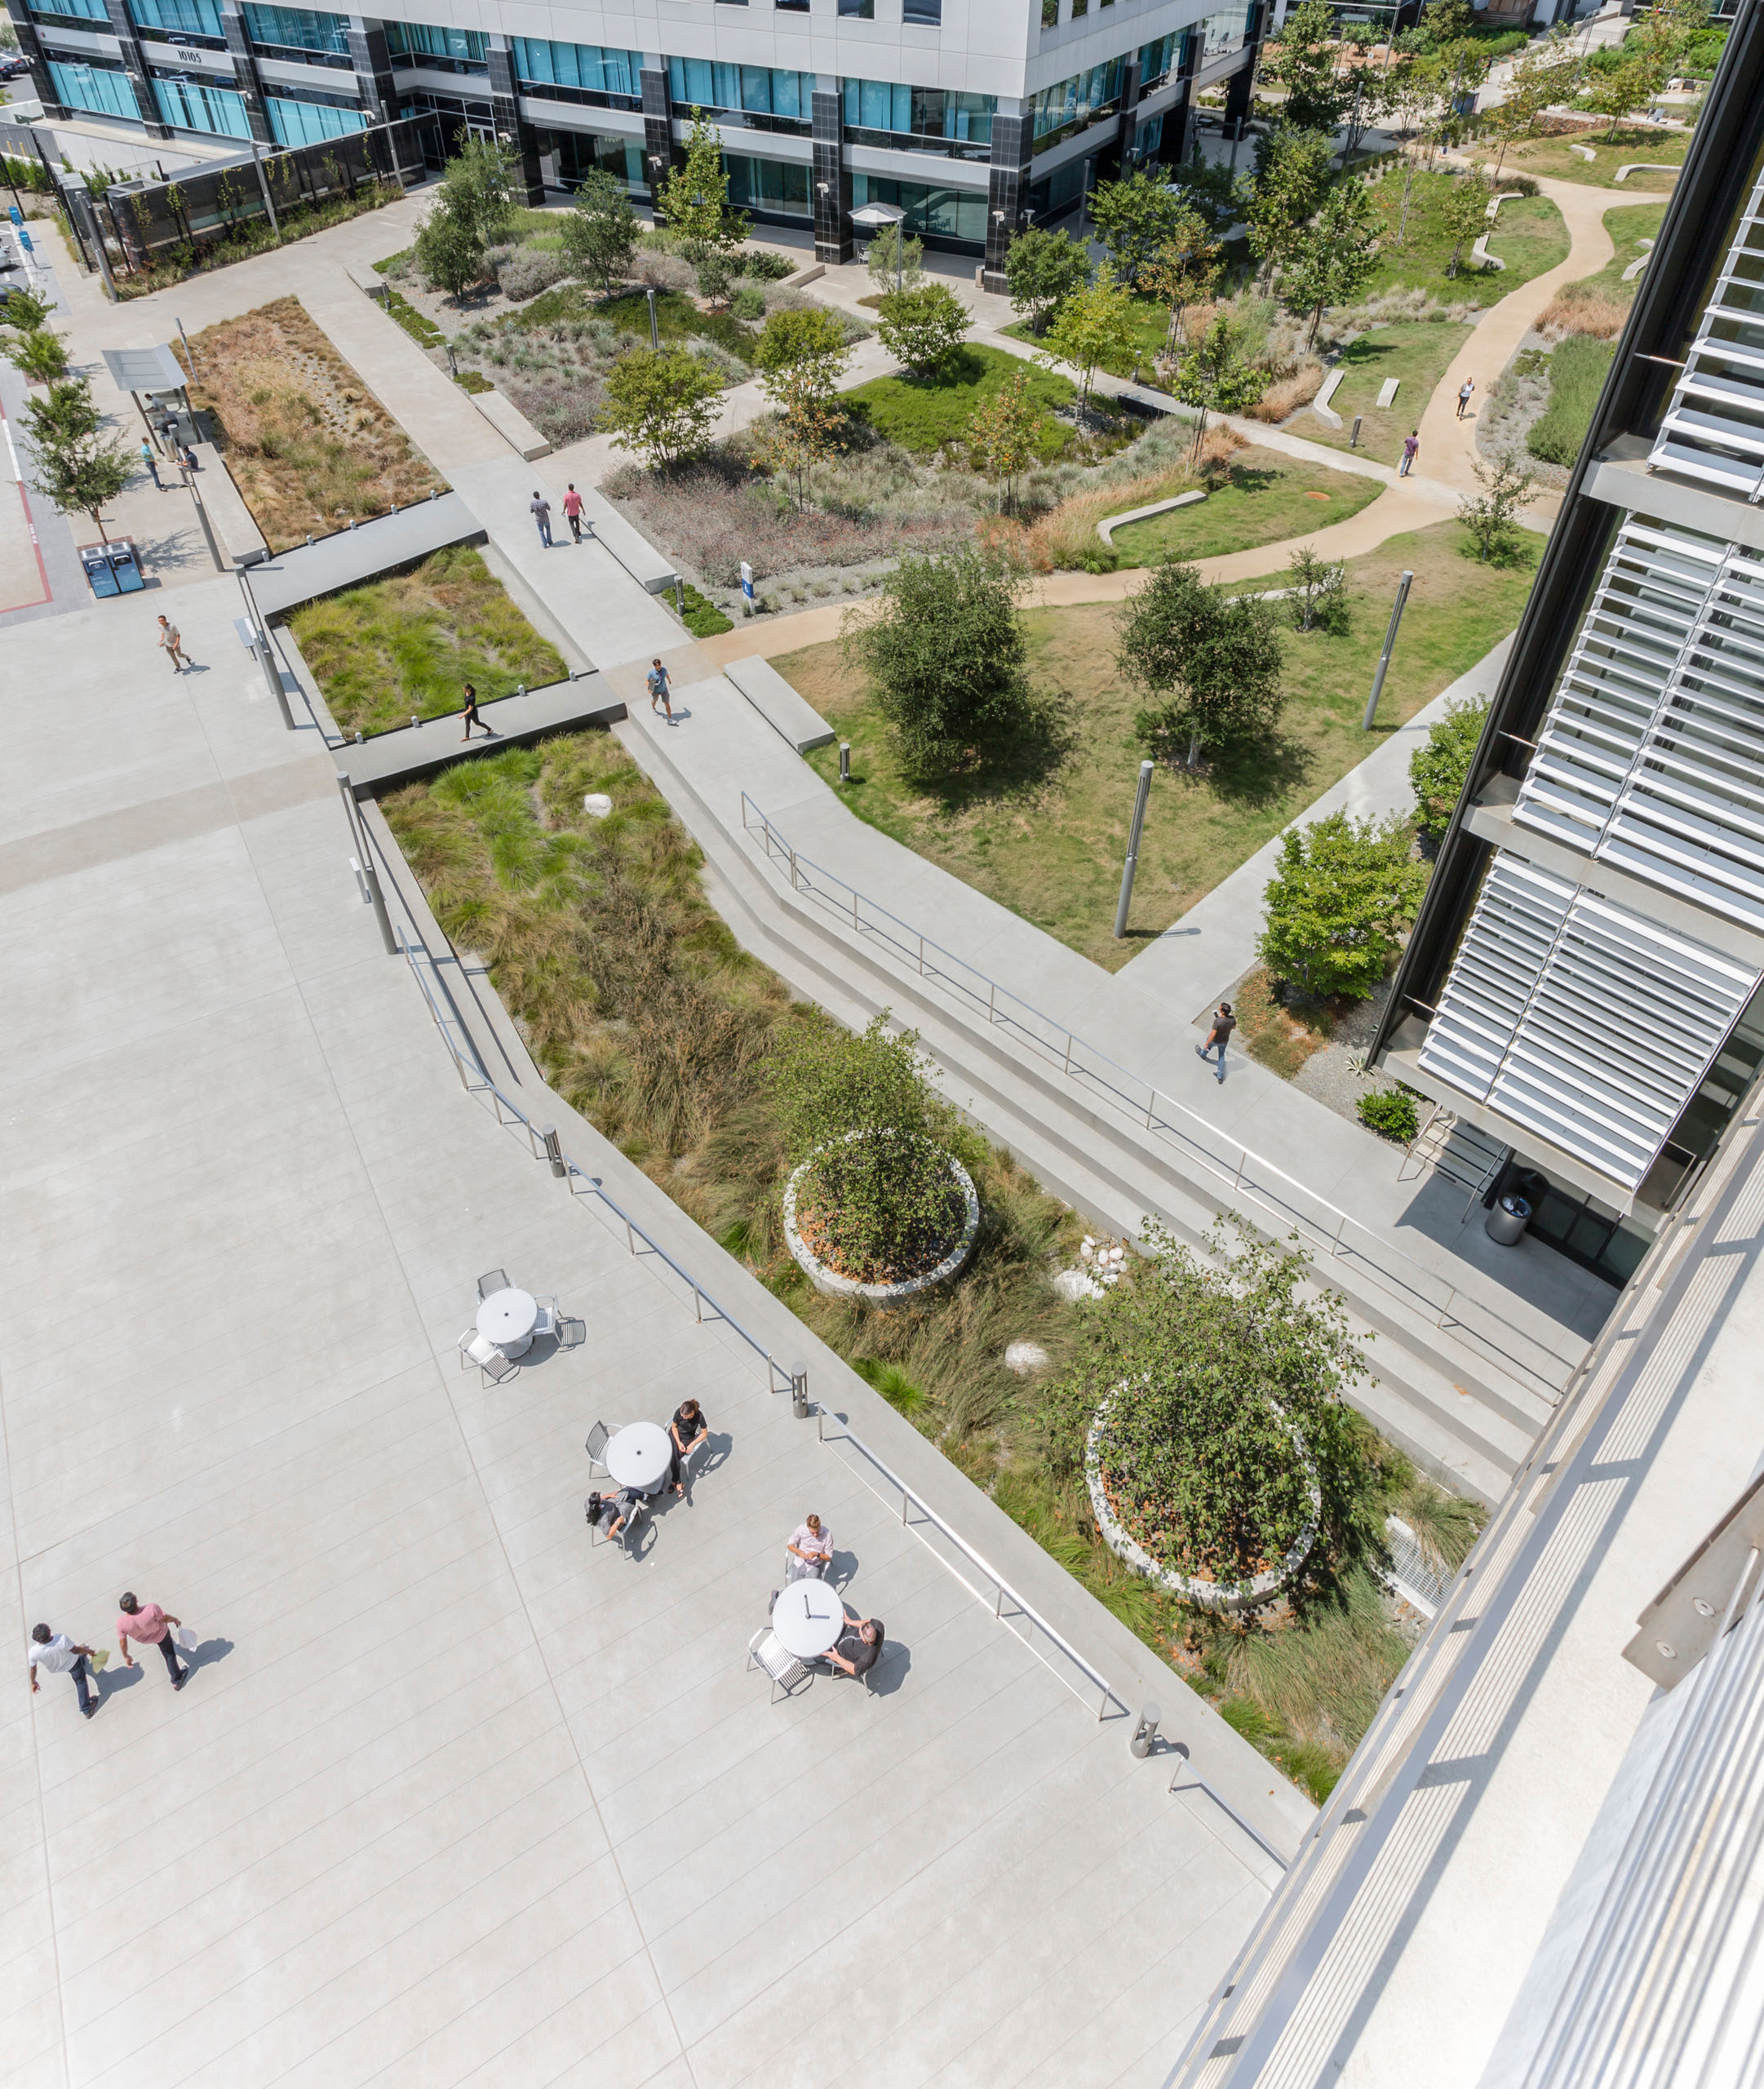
(608, 1513)
(859, 1646)
(685, 1433)
(809, 1552)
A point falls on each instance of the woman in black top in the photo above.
(471, 716)
(685, 1432)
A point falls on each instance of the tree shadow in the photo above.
(1019, 762)
(1253, 775)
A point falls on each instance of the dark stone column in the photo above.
(1237, 93)
(833, 239)
(1112, 161)
(657, 128)
(510, 124)
(135, 64)
(31, 49)
(245, 72)
(1006, 191)
(372, 60)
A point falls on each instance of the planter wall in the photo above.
(836, 1286)
(1210, 1595)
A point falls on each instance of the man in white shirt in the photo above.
(55, 1652)
(809, 1552)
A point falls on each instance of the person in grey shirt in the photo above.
(55, 1652)
(542, 514)
(1224, 1022)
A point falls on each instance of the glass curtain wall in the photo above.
(99, 90)
(1069, 105)
(885, 107)
(584, 68)
(297, 29)
(943, 212)
(416, 40)
(774, 185)
(310, 123)
(178, 17)
(753, 90)
(188, 104)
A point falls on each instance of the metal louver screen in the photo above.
(1714, 429)
(1652, 756)
(1580, 1020)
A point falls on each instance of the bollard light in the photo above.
(1146, 1732)
(1354, 439)
(844, 761)
(554, 1152)
(798, 1392)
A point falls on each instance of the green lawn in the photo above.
(1418, 356)
(1529, 235)
(1628, 228)
(407, 645)
(1578, 368)
(1551, 156)
(1265, 497)
(1047, 840)
(923, 413)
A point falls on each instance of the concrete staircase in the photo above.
(1459, 1412)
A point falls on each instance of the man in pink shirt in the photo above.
(151, 1625)
(573, 510)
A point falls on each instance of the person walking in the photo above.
(151, 1626)
(573, 511)
(542, 514)
(151, 463)
(55, 1652)
(659, 687)
(171, 643)
(1224, 1022)
(1411, 444)
(471, 716)
(1465, 390)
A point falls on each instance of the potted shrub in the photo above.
(1207, 1416)
(877, 1206)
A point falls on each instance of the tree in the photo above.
(1044, 268)
(600, 234)
(1546, 71)
(448, 252)
(893, 252)
(1335, 911)
(922, 329)
(1214, 660)
(1183, 269)
(24, 311)
(1003, 431)
(1095, 326)
(805, 350)
(1447, 21)
(946, 657)
(1618, 91)
(72, 462)
(1464, 212)
(1317, 591)
(1439, 771)
(1215, 375)
(694, 198)
(661, 404)
(1492, 517)
(1292, 177)
(1136, 217)
(1215, 193)
(477, 188)
(1303, 60)
(1211, 1366)
(40, 356)
(1336, 256)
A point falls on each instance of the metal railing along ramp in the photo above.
(1240, 1172)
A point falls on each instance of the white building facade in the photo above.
(975, 116)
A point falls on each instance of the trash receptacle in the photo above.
(1507, 1221)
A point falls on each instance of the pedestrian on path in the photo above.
(659, 688)
(1465, 390)
(542, 514)
(471, 716)
(573, 510)
(171, 643)
(1224, 1022)
(153, 1627)
(1411, 444)
(55, 1652)
(151, 463)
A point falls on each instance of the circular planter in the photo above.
(836, 1286)
(1210, 1595)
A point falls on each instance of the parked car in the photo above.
(14, 68)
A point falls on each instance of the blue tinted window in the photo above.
(424, 40)
(194, 105)
(309, 122)
(180, 17)
(94, 87)
(589, 66)
(759, 90)
(298, 29)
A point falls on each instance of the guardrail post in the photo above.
(921, 957)
(698, 1305)
(1067, 1067)
(992, 995)
(905, 1498)
(376, 895)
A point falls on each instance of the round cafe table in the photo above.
(638, 1455)
(508, 1318)
(807, 1617)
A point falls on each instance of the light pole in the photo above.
(655, 332)
(1384, 658)
(1126, 900)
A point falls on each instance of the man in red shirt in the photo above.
(573, 510)
(152, 1626)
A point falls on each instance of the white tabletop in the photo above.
(637, 1455)
(808, 1618)
(507, 1316)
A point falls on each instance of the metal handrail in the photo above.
(475, 1080)
(1282, 1195)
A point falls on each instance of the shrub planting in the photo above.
(1336, 909)
(1390, 1112)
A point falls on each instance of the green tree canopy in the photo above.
(1095, 327)
(1136, 217)
(662, 404)
(1336, 256)
(71, 463)
(946, 657)
(1215, 373)
(1336, 909)
(1290, 180)
(40, 355)
(1438, 771)
(478, 188)
(894, 253)
(693, 198)
(801, 348)
(1304, 60)
(1185, 268)
(923, 329)
(449, 251)
(600, 234)
(1212, 661)
(1044, 268)
(1003, 431)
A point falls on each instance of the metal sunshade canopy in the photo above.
(145, 370)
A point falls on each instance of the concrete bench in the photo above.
(1642, 167)
(1387, 392)
(1320, 405)
(242, 542)
(639, 558)
(782, 709)
(1107, 528)
(512, 424)
(366, 277)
